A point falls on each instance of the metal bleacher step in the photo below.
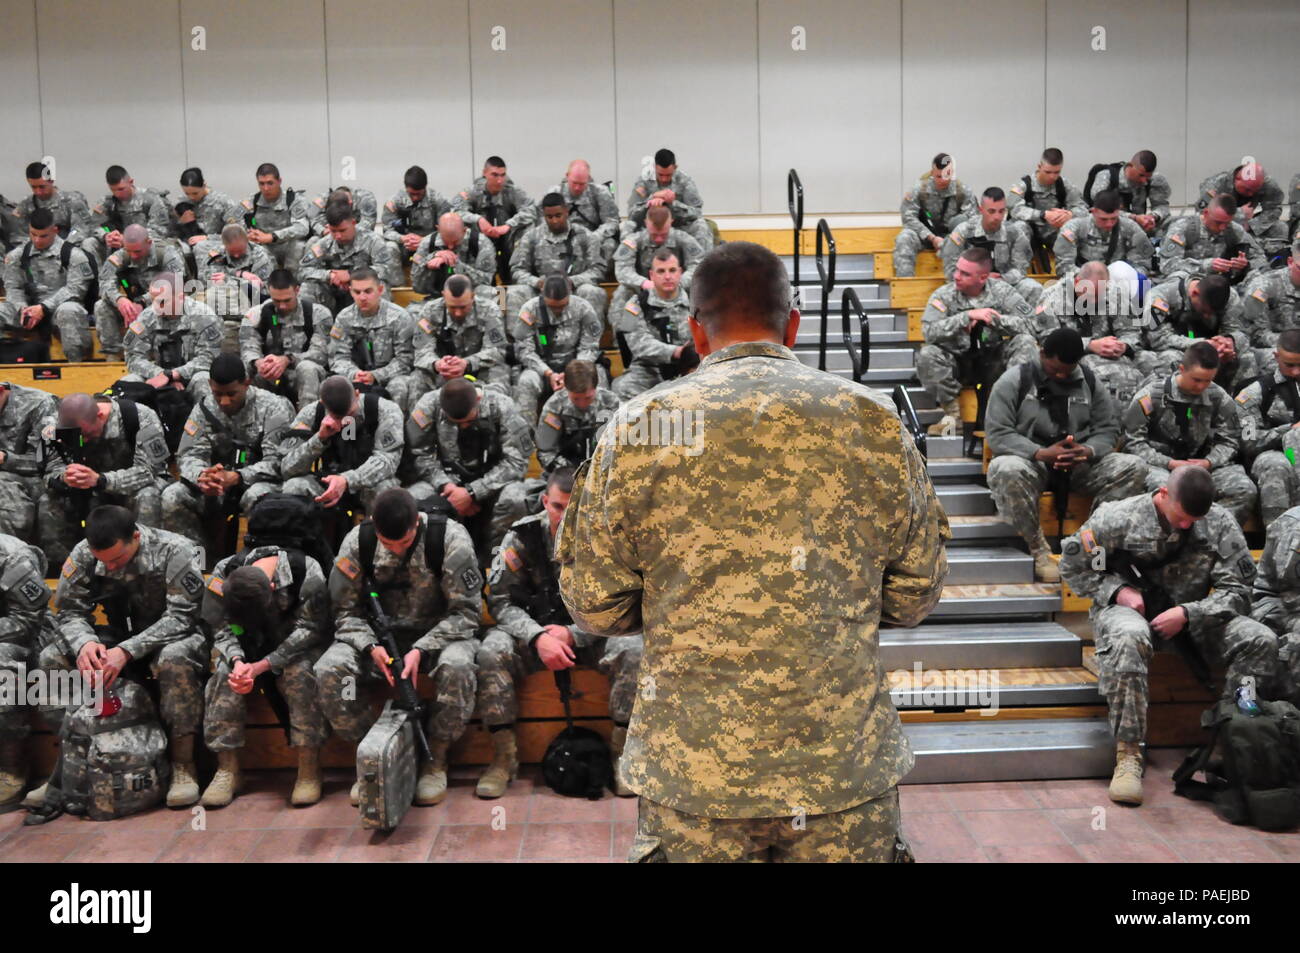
(968, 530)
(949, 469)
(974, 694)
(965, 499)
(1010, 750)
(966, 645)
(847, 267)
(938, 447)
(872, 297)
(882, 358)
(998, 601)
(988, 565)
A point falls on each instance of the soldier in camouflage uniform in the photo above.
(973, 323)
(458, 334)
(1271, 302)
(41, 293)
(1104, 314)
(551, 330)
(124, 461)
(674, 190)
(1051, 425)
(229, 454)
(203, 214)
(1103, 235)
(470, 448)
(124, 279)
(454, 250)
(433, 621)
(285, 341)
(236, 273)
(1161, 566)
(174, 340)
(1043, 202)
(555, 247)
(412, 214)
(1270, 411)
(498, 208)
(328, 263)
(68, 206)
(592, 208)
(1008, 243)
(573, 418)
(150, 582)
(1259, 203)
(654, 327)
(931, 208)
(370, 342)
(1199, 306)
(23, 411)
(636, 252)
(1143, 192)
(362, 201)
(276, 218)
(267, 621)
(337, 451)
(1276, 598)
(534, 632)
(23, 597)
(126, 205)
(1185, 419)
(763, 724)
(1210, 242)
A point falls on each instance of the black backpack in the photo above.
(290, 523)
(171, 405)
(577, 761)
(1096, 170)
(435, 534)
(91, 294)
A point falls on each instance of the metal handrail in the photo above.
(859, 358)
(794, 199)
(912, 423)
(825, 251)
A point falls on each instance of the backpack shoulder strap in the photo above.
(1089, 377)
(307, 325)
(370, 403)
(26, 260)
(435, 535)
(130, 418)
(319, 418)
(1026, 380)
(298, 568)
(367, 540)
(1267, 391)
(65, 255)
(1029, 188)
(1060, 193)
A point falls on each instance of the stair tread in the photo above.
(1024, 733)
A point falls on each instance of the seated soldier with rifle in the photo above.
(235, 272)
(23, 411)
(229, 457)
(285, 342)
(124, 280)
(170, 346)
(1007, 242)
(370, 342)
(98, 450)
(534, 631)
(1051, 425)
(412, 214)
(653, 330)
(342, 450)
(1269, 408)
(327, 265)
(1042, 202)
(931, 208)
(469, 448)
(1105, 236)
(1276, 599)
(407, 596)
(1211, 243)
(1169, 566)
(552, 329)
(1190, 307)
(459, 334)
(268, 611)
(573, 418)
(454, 250)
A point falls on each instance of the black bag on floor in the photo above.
(290, 522)
(18, 351)
(577, 762)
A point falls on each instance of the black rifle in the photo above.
(981, 364)
(186, 230)
(1058, 480)
(541, 599)
(171, 352)
(128, 278)
(579, 442)
(408, 698)
(1155, 601)
(363, 356)
(255, 648)
(114, 215)
(445, 341)
(70, 446)
(478, 452)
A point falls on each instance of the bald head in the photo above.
(135, 235)
(451, 228)
(77, 409)
(578, 176)
(1093, 271)
(1249, 178)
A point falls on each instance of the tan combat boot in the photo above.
(617, 739)
(1126, 782)
(225, 784)
(432, 786)
(36, 796)
(504, 767)
(13, 771)
(950, 423)
(1045, 569)
(306, 788)
(184, 789)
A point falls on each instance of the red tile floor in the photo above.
(1008, 822)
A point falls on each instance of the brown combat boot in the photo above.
(504, 767)
(1126, 782)
(13, 771)
(184, 789)
(432, 786)
(225, 784)
(1045, 569)
(617, 739)
(950, 423)
(306, 788)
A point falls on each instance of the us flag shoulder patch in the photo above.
(347, 567)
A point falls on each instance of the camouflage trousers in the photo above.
(937, 367)
(868, 833)
(109, 326)
(311, 487)
(1120, 375)
(301, 383)
(532, 390)
(637, 379)
(287, 253)
(1232, 488)
(197, 388)
(906, 246)
(343, 674)
(501, 665)
(519, 295)
(13, 669)
(70, 323)
(60, 531)
(497, 512)
(1125, 644)
(1273, 612)
(18, 499)
(189, 513)
(226, 713)
(180, 668)
(1279, 485)
(1016, 484)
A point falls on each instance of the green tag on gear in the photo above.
(1290, 455)
(541, 339)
